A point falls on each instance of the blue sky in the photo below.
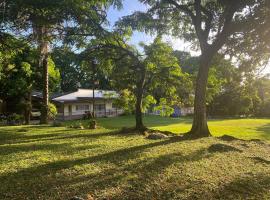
(129, 6)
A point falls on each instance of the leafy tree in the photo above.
(16, 74)
(140, 73)
(69, 67)
(46, 21)
(262, 85)
(76, 70)
(238, 28)
(19, 74)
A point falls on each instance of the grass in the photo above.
(241, 128)
(42, 162)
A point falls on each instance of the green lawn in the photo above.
(240, 128)
(43, 162)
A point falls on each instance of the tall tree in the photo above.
(238, 28)
(141, 73)
(19, 74)
(49, 20)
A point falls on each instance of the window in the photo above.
(100, 107)
(82, 107)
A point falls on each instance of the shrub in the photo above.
(14, 119)
(93, 124)
(52, 111)
(3, 119)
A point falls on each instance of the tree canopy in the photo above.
(235, 28)
(141, 73)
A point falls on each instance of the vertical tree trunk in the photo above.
(45, 107)
(139, 99)
(28, 108)
(138, 111)
(43, 62)
(199, 126)
(94, 113)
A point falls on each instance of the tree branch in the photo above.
(196, 19)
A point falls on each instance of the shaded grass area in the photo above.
(42, 162)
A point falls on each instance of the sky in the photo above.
(129, 6)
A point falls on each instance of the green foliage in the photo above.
(14, 119)
(54, 76)
(52, 112)
(147, 102)
(92, 124)
(194, 22)
(156, 70)
(164, 108)
(15, 67)
(68, 64)
(64, 18)
(125, 101)
(241, 94)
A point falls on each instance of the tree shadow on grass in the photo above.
(251, 186)
(125, 176)
(143, 171)
(40, 173)
(260, 160)
(63, 147)
(265, 131)
(136, 179)
(11, 137)
(8, 149)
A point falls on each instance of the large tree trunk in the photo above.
(139, 99)
(199, 126)
(138, 111)
(43, 62)
(28, 108)
(45, 94)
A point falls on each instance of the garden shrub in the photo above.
(14, 119)
(93, 124)
(52, 111)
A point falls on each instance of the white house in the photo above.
(76, 104)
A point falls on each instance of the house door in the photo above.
(70, 110)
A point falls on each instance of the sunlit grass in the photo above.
(43, 162)
(241, 128)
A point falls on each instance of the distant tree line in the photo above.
(231, 91)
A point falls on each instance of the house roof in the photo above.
(86, 94)
(38, 94)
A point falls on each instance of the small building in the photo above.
(177, 111)
(182, 111)
(77, 104)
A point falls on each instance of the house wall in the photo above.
(187, 111)
(177, 111)
(78, 114)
